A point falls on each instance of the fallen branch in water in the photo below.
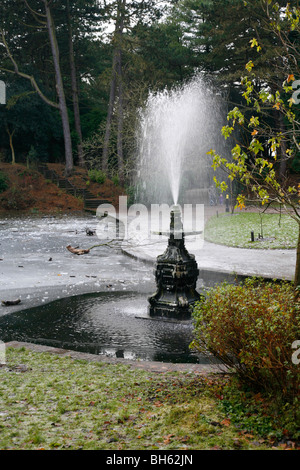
(77, 251)
(104, 244)
(81, 251)
(10, 302)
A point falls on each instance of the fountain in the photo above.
(177, 128)
(176, 276)
(119, 317)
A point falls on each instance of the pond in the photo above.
(96, 304)
(114, 324)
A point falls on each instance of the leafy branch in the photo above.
(260, 164)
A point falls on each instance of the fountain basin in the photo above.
(112, 324)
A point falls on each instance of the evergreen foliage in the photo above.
(154, 45)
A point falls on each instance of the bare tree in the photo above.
(74, 88)
(46, 20)
(116, 85)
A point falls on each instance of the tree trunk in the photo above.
(13, 156)
(297, 271)
(60, 91)
(120, 120)
(283, 148)
(116, 76)
(74, 89)
(112, 97)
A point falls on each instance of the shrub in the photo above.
(17, 199)
(27, 178)
(97, 176)
(251, 328)
(116, 180)
(3, 182)
(131, 192)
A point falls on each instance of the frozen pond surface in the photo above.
(92, 303)
(36, 266)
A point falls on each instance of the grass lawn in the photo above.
(235, 230)
(53, 402)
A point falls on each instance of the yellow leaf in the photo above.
(254, 132)
(249, 66)
(291, 101)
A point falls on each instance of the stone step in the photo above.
(91, 201)
(96, 202)
(89, 195)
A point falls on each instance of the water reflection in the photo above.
(114, 324)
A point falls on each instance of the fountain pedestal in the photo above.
(176, 274)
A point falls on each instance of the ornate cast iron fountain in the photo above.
(176, 274)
